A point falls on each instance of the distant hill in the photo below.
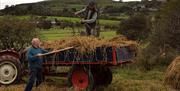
(54, 7)
(100, 2)
(109, 9)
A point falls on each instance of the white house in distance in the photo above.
(162, 0)
(156, 0)
(150, 6)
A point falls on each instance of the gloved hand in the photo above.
(82, 21)
(39, 55)
(76, 13)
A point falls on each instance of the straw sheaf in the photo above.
(172, 76)
(89, 44)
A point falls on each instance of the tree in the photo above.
(44, 23)
(135, 28)
(15, 33)
(166, 31)
(164, 41)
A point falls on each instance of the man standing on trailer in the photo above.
(35, 64)
(91, 15)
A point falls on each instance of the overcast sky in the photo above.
(14, 2)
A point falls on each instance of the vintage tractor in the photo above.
(87, 71)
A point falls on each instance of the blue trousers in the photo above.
(35, 75)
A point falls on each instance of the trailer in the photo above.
(87, 70)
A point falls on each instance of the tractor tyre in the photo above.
(10, 70)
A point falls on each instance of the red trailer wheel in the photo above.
(82, 79)
(102, 75)
(109, 76)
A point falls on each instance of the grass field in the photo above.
(56, 33)
(135, 80)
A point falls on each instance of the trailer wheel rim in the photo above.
(8, 72)
(80, 79)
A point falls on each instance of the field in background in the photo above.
(56, 33)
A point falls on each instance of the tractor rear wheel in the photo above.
(10, 69)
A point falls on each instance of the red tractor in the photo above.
(87, 70)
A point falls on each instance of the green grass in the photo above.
(135, 74)
(124, 79)
(56, 33)
(108, 34)
(128, 79)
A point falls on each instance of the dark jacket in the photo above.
(91, 15)
(35, 62)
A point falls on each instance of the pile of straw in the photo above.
(88, 44)
(120, 41)
(172, 76)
